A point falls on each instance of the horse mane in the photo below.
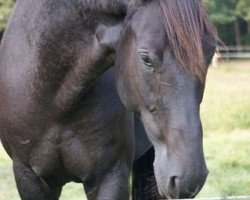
(186, 24)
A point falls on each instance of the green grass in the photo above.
(226, 120)
(226, 102)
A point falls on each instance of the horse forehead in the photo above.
(148, 17)
(147, 24)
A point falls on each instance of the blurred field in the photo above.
(226, 120)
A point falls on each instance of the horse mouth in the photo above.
(176, 194)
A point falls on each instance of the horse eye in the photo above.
(145, 59)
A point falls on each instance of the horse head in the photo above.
(161, 66)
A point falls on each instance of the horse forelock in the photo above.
(187, 23)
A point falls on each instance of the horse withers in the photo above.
(161, 66)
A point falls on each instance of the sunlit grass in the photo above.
(226, 120)
(226, 104)
(227, 156)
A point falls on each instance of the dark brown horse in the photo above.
(61, 121)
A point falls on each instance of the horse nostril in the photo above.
(173, 187)
(173, 182)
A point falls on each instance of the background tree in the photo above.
(232, 18)
(243, 9)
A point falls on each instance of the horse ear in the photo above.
(108, 36)
(209, 48)
(116, 8)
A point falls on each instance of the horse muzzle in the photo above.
(182, 187)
